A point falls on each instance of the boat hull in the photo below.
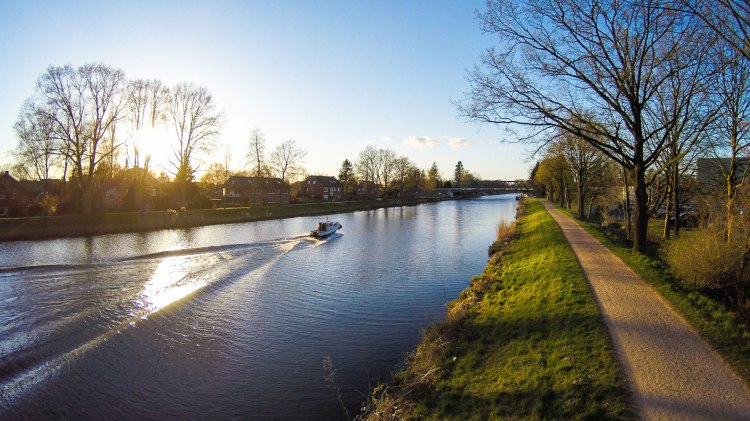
(325, 233)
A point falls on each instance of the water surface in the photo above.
(230, 321)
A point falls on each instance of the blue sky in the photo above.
(332, 75)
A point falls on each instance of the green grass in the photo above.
(524, 341)
(709, 317)
(106, 223)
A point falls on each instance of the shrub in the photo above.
(705, 259)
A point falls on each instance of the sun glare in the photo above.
(155, 144)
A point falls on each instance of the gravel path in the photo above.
(673, 373)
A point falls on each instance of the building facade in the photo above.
(710, 173)
(247, 191)
(322, 189)
(14, 198)
(366, 190)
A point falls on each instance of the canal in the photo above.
(230, 321)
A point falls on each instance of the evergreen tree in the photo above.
(433, 177)
(346, 177)
(459, 172)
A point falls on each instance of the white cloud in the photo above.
(421, 142)
(457, 143)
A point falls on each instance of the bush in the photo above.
(705, 259)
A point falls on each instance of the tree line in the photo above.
(80, 121)
(394, 175)
(638, 105)
(634, 89)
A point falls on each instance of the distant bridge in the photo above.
(487, 187)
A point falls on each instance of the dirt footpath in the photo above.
(672, 372)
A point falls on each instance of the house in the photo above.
(47, 195)
(14, 198)
(710, 173)
(132, 190)
(246, 191)
(323, 188)
(366, 190)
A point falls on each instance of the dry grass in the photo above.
(505, 230)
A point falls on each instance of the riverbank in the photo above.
(524, 340)
(38, 228)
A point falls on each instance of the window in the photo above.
(2, 194)
(325, 188)
(12, 194)
(4, 211)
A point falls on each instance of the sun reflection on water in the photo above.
(172, 280)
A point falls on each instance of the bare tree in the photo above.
(402, 169)
(158, 100)
(731, 135)
(256, 152)
(287, 159)
(110, 150)
(82, 104)
(591, 68)
(683, 106)
(217, 174)
(367, 166)
(136, 104)
(729, 19)
(227, 161)
(38, 148)
(387, 160)
(554, 173)
(197, 123)
(585, 163)
(376, 165)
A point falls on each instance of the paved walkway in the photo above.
(672, 372)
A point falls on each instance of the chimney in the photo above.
(7, 173)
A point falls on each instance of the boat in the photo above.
(325, 228)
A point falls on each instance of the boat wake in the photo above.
(94, 303)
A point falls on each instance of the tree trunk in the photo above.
(629, 233)
(86, 204)
(641, 209)
(667, 214)
(676, 198)
(563, 188)
(580, 198)
(668, 208)
(731, 193)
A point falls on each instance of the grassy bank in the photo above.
(78, 225)
(708, 316)
(524, 341)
